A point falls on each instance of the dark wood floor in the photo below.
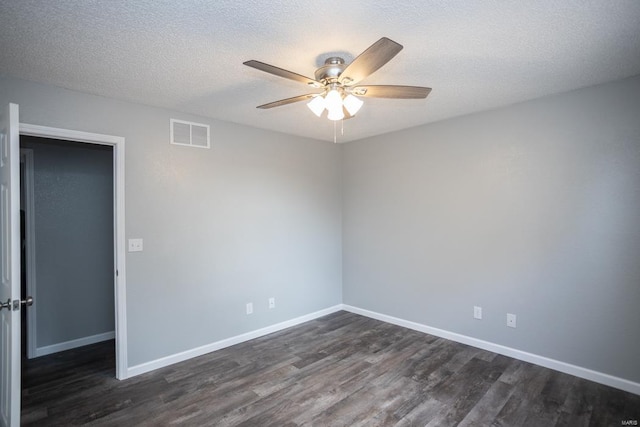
(339, 370)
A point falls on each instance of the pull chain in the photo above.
(335, 131)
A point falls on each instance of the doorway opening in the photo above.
(68, 243)
(67, 227)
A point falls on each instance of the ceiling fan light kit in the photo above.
(340, 95)
(335, 101)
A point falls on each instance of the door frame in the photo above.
(119, 246)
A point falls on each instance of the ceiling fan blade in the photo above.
(347, 115)
(369, 61)
(391, 91)
(280, 72)
(287, 101)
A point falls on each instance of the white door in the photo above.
(10, 265)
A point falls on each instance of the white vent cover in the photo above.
(190, 134)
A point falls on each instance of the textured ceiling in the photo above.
(187, 55)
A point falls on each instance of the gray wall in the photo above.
(533, 209)
(73, 192)
(256, 216)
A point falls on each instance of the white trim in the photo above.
(30, 237)
(567, 368)
(218, 345)
(69, 135)
(68, 345)
(120, 281)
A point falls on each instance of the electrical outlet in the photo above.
(135, 245)
(272, 302)
(249, 308)
(511, 320)
(477, 312)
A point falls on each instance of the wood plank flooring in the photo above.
(339, 370)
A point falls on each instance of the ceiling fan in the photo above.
(339, 82)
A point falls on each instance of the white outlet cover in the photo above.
(249, 308)
(511, 320)
(135, 245)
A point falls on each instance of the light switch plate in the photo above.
(477, 312)
(135, 245)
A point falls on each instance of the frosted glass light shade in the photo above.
(336, 114)
(352, 104)
(333, 100)
(317, 105)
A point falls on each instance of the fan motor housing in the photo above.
(331, 70)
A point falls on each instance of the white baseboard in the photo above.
(218, 345)
(567, 368)
(588, 374)
(68, 345)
